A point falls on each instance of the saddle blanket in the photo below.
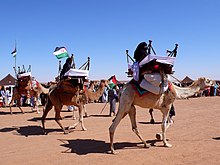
(140, 91)
(152, 83)
(77, 73)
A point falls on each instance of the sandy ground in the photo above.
(195, 136)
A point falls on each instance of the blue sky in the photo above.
(103, 30)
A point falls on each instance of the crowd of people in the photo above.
(214, 90)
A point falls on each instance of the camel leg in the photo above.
(18, 104)
(120, 115)
(152, 121)
(132, 115)
(20, 109)
(80, 108)
(10, 104)
(85, 111)
(47, 108)
(58, 117)
(164, 127)
(81, 117)
(36, 104)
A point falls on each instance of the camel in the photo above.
(129, 98)
(94, 96)
(68, 92)
(25, 88)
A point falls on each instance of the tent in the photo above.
(9, 80)
(187, 81)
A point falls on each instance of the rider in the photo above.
(140, 52)
(66, 67)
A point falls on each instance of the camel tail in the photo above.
(49, 103)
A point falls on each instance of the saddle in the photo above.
(70, 86)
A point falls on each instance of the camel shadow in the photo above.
(216, 138)
(9, 113)
(36, 119)
(30, 131)
(88, 146)
(141, 122)
(99, 115)
(15, 113)
(153, 142)
(24, 131)
(8, 129)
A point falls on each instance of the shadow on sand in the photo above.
(14, 113)
(216, 138)
(28, 130)
(88, 146)
(149, 122)
(99, 115)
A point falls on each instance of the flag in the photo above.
(112, 81)
(60, 52)
(14, 52)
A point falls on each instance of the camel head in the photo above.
(103, 83)
(203, 83)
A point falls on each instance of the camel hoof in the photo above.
(113, 152)
(66, 132)
(84, 129)
(158, 136)
(146, 146)
(168, 145)
(86, 115)
(152, 121)
(45, 132)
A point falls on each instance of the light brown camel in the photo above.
(94, 96)
(129, 98)
(25, 88)
(66, 93)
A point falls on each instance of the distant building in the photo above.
(8, 81)
(187, 81)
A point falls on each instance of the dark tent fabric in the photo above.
(187, 80)
(8, 80)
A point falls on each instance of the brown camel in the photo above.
(25, 88)
(129, 98)
(68, 92)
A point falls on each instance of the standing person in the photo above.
(1, 98)
(4, 96)
(112, 97)
(105, 95)
(8, 94)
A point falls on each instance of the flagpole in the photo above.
(16, 54)
(15, 67)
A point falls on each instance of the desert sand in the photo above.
(195, 136)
